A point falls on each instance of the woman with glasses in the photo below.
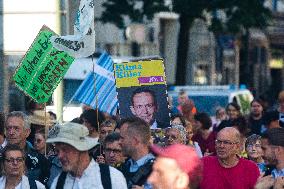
(254, 151)
(13, 163)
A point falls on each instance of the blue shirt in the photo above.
(262, 167)
(134, 165)
(277, 173)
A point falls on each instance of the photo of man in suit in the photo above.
(144, 105)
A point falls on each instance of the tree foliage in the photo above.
(239, 16)
(137, 11)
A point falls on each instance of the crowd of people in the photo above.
(95, 150)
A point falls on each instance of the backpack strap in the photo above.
(105, 176)
(61, 180)
(32, 183)
(140, 177)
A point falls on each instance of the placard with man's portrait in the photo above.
(141, 88)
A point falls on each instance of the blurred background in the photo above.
(202, 42)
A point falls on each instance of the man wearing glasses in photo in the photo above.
(227, 169)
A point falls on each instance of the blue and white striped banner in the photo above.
(104, 98)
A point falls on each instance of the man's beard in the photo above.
(128, 151)
(271, 160)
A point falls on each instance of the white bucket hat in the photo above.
(73, 134)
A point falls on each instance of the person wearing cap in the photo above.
(176, 167)
(72, 144)
(135, 138)
(17, 129)
(273, 154)
(39, 119)
(227, 169)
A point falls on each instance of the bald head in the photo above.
(228, 145)
(231, 132)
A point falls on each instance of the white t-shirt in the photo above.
(91, 178)
(24, 184)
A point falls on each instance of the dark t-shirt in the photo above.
(38, 166)
(206, 144)
(255, 125)
(223, 124)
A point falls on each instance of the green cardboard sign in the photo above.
(42, 68)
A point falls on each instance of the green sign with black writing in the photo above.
(42, 68)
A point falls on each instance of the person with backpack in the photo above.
(13, 163)
(72, 144)
(135, 141)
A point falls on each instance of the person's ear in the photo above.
(135, 140)
(132, 110)
(182, 181)
(27, 132)
(279, 151)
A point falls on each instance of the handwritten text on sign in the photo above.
(42, 68)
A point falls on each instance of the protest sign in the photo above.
(82, 43)
(141, 88)
(42, 68)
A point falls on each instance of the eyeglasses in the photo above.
(115, 151)
(254, 145)
(173, 137)
(225, 142)
(13, 160)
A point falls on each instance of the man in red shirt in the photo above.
(227, 169)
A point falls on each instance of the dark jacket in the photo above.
(38, 166)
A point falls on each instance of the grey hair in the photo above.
(181, 131)
(252, 139)
(21, 115)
